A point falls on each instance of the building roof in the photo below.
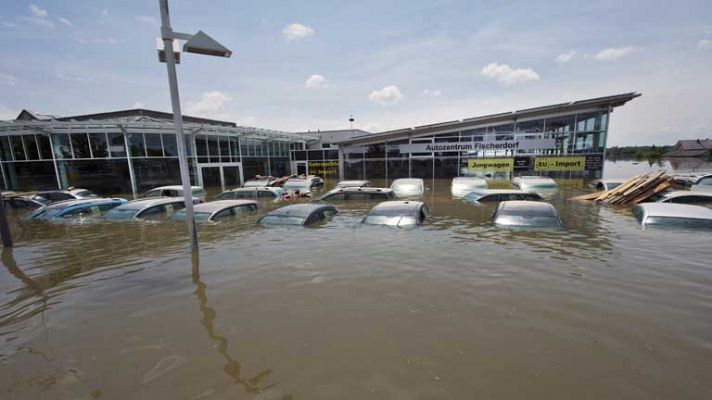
(691, 148)
(27, 115)
(599, 103)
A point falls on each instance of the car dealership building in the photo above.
(131, 151)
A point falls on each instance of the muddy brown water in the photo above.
(456, 309)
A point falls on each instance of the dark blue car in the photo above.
(92, 207)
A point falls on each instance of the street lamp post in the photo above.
(199, 43)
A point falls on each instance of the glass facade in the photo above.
(106, 162)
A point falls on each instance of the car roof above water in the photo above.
(300, 210)
(153, 201)
(672, 210)
(396, 207)
(218, 205)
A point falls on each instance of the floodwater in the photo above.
(455, 309)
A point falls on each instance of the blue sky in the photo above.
(301, 65)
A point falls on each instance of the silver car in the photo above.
(527, 214)
(54, 196)
(154, 209)
(344, 184)
(359, 193)
(686, 196)
(397, 213)
(534, 182)
(299, 214)
(408, 187)
(220, 210)
(254, 193)
(487, 195)
(464, 185)
(175, 191)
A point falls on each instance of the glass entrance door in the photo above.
(231, 177)
(211, 178)
(302, 168)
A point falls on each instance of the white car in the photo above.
(397, 213)
(345, 184)
(527, 214)
(464, 185)
(174, 191)
(534, 182)
(673, 215)
(54, 196)
(220, 210)
(255, 193)
(154, 208)
(686, 196)
(408, 187)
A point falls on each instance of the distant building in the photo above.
(691, 148)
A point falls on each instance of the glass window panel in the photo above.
(224, 149)
(299, 155)
(259, 148)
(201, 148)
(137, 146)
(31, 147)
(18, 149)
(117, 147)
(234, 148)
(153, 145)
(535, 126)
(315, 155)
(189, 146)
(5, 148)
(604, 121)
(98, 145)
(170, 145)
(585, 122)
(80, 144)
(45, 146)
(61, 146)
(560, 124)
(213, 150)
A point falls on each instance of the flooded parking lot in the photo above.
(457, 308)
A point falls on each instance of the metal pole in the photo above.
(166, 33)
(4, 227)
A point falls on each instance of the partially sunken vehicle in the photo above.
(303, 184)
(397, 213)
(92, 207)
(344, 184)
(359, 193)
(464, 185)
(174, 191)
(254, 193)
(605, 184)
(527, 214)
(299, 214)
(221, 210)
(408, 187)
(153, 209)
(481, 196)
(534, 182)
(673, 215)
(686, 196)
(260, 181)
(23, 202)
(53, 196)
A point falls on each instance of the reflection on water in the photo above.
(455, 309)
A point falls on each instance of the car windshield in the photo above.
(390, 220)
(473, 196)
(528, 220)
(296, 184)
(117, 214)
(281, 220)
(256, 183)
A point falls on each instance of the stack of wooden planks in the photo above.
(633, 191)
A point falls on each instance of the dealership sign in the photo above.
(492, 145)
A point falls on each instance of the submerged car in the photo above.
(397, 213)
(408, 187)
(304, 184)
(259, 181)
(481, 196)
(215, 211)
(534, 182)
(359, 193)
(686, 196)
(254, 193)
(154, 209)
(23, 202)
(345, 184)
(605, 184)
(54, 196)
(673, 215)
(92, 207)
(299, 214)
(174, 191)
(464, 185)
(527, 214)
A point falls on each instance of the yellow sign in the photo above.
(324, 168)
(490, 164)
(559, 163)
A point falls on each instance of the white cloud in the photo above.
(65, 21)
(297, 31)
(44, 22)
(613, 53)
(508, 76)
(138, 104)
(704, 44)
(247, 121)
(7, 79)
(7, 114)
(210, 105)
(315, 81)
(38, 12)
(146, 19)
(97, 40)
(105, 12)
(563, 58)
(388, 95)
(433, 93)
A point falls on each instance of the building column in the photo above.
(134, 190)
(341, 162)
